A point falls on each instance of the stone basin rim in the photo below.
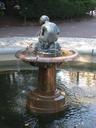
(40, 59)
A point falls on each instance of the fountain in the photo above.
(46, 55)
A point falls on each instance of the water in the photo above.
(80, 87)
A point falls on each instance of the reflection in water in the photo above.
(13, 91)
(80, 86)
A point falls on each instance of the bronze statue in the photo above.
(48, 36)
(49, 31)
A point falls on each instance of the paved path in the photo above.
(83, 28)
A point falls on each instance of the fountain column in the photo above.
(46, 98)
(47, 79)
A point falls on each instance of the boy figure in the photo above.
(48, 36)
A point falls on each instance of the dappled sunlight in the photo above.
(64, 42)
(84, 59)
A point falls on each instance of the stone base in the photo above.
(40, 102)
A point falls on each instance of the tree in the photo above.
(55, 8)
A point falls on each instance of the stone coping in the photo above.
(82, 45)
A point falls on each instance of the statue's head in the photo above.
(43, 19)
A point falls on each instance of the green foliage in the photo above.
(55, 8)
(1, 13)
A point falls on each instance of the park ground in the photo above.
(84, 28)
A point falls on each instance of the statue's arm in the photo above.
(42, 34)
(58, 31)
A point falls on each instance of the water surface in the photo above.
(80, 87)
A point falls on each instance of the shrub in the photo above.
(55, 8)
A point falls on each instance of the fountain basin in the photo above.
(66, 55)
(47, 98)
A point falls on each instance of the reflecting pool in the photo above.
(80, 88)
